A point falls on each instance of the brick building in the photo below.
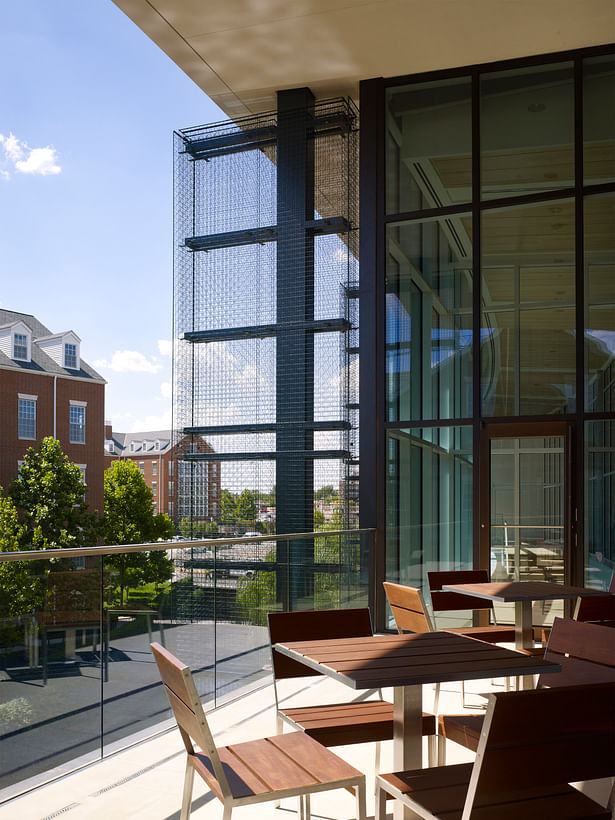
(158, 461)
(47, 389)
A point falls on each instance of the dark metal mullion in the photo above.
(575, 528)
(477, 508)
(372, 323)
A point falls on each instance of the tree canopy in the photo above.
(130, 519)
(50, 495)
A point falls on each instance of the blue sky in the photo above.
(87, 112)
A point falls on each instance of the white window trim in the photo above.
(26, 397)
(76, 403)
(28, 356)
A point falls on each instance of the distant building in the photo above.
(47, 389)
(160, 464)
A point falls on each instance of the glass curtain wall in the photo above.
(496, 271)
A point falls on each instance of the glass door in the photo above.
(525, 518)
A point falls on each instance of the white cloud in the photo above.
(161, 422)
(165, 389)
(165, 347)
(129, 361)
(20, 157)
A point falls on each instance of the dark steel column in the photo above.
(295, 347)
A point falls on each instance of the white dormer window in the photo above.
(70, 356)
(109, 446)
(144, 446)
(63, 348)
(157, 444)
(20, 347)
(133, 446)
(16, 341)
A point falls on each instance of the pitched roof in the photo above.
(40, 361)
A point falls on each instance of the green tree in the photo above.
(21, 588)
(50, 495)
(326, 494)
(246, 506)
(129, 519)
(228, 507)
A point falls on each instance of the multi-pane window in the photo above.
(170, 488)
(142, 467)
(170, 469)
(70, 356)
(170, 509)
(154, 468)
(154, 488)
(20, 346)
(26, 416)
(77, 424)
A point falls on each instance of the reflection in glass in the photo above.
(527, 130)
(429, 502)
(429, 320)
(429, 145)
(600, 303)
(599, 505)
(528, 358)
(599, 119)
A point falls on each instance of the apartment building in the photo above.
(157, 459)
(47, 389)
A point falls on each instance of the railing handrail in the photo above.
(114, 549)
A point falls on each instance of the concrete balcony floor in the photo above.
(144, 782)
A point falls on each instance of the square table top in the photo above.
(403, 660)
(509, 591)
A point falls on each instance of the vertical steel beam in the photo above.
(295, 347)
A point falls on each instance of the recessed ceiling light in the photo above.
(534, 108)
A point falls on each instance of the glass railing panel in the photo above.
(78, 680)
(151, 596)
(51, 639)
(246, 579)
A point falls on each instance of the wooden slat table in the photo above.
(522, 594)
(406, 662)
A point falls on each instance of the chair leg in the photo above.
(431, 750)
(187, 798)
(381, 803)
(279, 730)
(436, 699)
(360, 792)
(226, 814)
(441, 750)
(377, 757)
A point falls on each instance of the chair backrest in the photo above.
(595, 608)
(541, 738)
(313, 625)
(188, 711)
(408, 608)
(444, 601)
(586, 653)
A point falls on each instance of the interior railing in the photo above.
(77, 678)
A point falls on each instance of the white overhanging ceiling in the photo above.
(240, 52)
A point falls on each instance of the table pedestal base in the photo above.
(407, 736)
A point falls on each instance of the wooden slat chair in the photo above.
(336, 724)
(586, 653)
(596, 609)
(444, 601)
(263, 770)
(534, 744)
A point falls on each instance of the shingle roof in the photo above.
(41, 362)
(122, 442)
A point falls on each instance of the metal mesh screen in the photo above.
(266, 317)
